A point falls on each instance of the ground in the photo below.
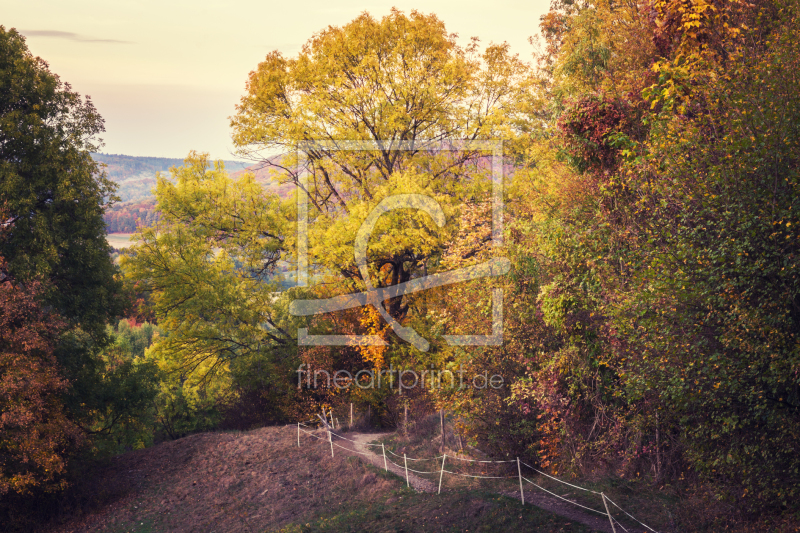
(261, 480)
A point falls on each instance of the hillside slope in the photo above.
(261, 481)
(136, 175)
(136, 179)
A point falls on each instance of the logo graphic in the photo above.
(377, 296)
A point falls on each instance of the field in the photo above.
(119, 240)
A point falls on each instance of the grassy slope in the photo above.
(261, 481)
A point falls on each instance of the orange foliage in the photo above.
(34, 430)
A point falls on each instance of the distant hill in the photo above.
(136, 178)
(264, 175)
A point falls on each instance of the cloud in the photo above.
(68, 35)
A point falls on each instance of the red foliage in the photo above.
(128, 216)
(588, 127)
(34, 430)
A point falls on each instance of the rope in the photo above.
(410, 458)
(311, 434)
(351, 440)
(353, 451)
(411, 469)
(418, 472)
(477, 461)
(629, 516)
(335, 435)
(620, 525)
(449, 472)
(343, 438)
(560, 481)
(436, 458)
(342, 447)
(562, 498)
(481, 477)
(398, 466)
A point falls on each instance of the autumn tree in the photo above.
(402, 85)
(209, 266)
(35, 431)
(212, 261)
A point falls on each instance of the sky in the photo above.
(166, 75)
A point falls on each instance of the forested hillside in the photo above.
(136, 177)
(124, 217)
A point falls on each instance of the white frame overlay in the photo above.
(495, 267)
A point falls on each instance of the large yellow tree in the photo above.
(374, 109)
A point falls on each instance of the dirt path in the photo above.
(369, 453)
(357, 444)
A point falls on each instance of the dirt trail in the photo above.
(369, 453)
(357, 444)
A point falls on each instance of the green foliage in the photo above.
(92, 395)
(727, 268)
(52, 190)
(210, 269)
(667, 285)
(135, 176)
(128, 391)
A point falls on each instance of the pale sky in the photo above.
(167, 74)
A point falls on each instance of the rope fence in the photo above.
(563, 498)
(441, 471)
(559, 480)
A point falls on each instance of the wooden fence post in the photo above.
(441, 474)
(325, 423)
(521, 490)
(608, 513)
(298, 434)
(383, 449)
(405, 463)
